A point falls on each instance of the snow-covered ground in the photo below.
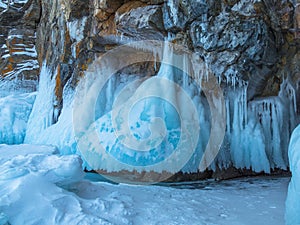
(38, 186)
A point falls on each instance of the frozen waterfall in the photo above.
(257, 133)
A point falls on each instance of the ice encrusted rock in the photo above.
(143, 22)
(18, 54)
(293, 199)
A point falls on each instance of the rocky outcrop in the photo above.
(17, 40)
(251, 40)
(71, 34)
(243, 39)
(142, 23)
(247, 41)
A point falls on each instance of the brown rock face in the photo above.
(18, 55)
(252, 40)
(72, 33)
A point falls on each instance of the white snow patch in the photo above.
(76, 29)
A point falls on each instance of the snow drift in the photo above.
(38, 186)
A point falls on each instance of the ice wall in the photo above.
(44, 125)
(257, 133)
(293, 198)
(149, 125)
(14, 113)
(246, 146)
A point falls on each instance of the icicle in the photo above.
(186, 69)
(219, 79)
(228, 116)
(245, 102)
(121, 37)
(206, 71)
(287, 89)
(173, 5)
(270, 114)
(155, 60)
(198, 70)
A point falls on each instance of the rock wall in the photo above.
(257, 41)
(18, 24)
(247, 39)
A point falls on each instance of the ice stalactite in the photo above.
(42, 113)
(277, 117)
(244, 145)
(288, 94)
(43, 125)
(258, 132)
(269, 115)
(154, 101)
(192, 84)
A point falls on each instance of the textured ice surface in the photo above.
(44, 126)
(257, 133)
(142, 151)
(293, 199)
(154, 126)
(39, 187)
(14, 113)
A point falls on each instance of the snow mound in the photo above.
(10, 151)
(30, 181)
(293, 199)
(14, 114)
